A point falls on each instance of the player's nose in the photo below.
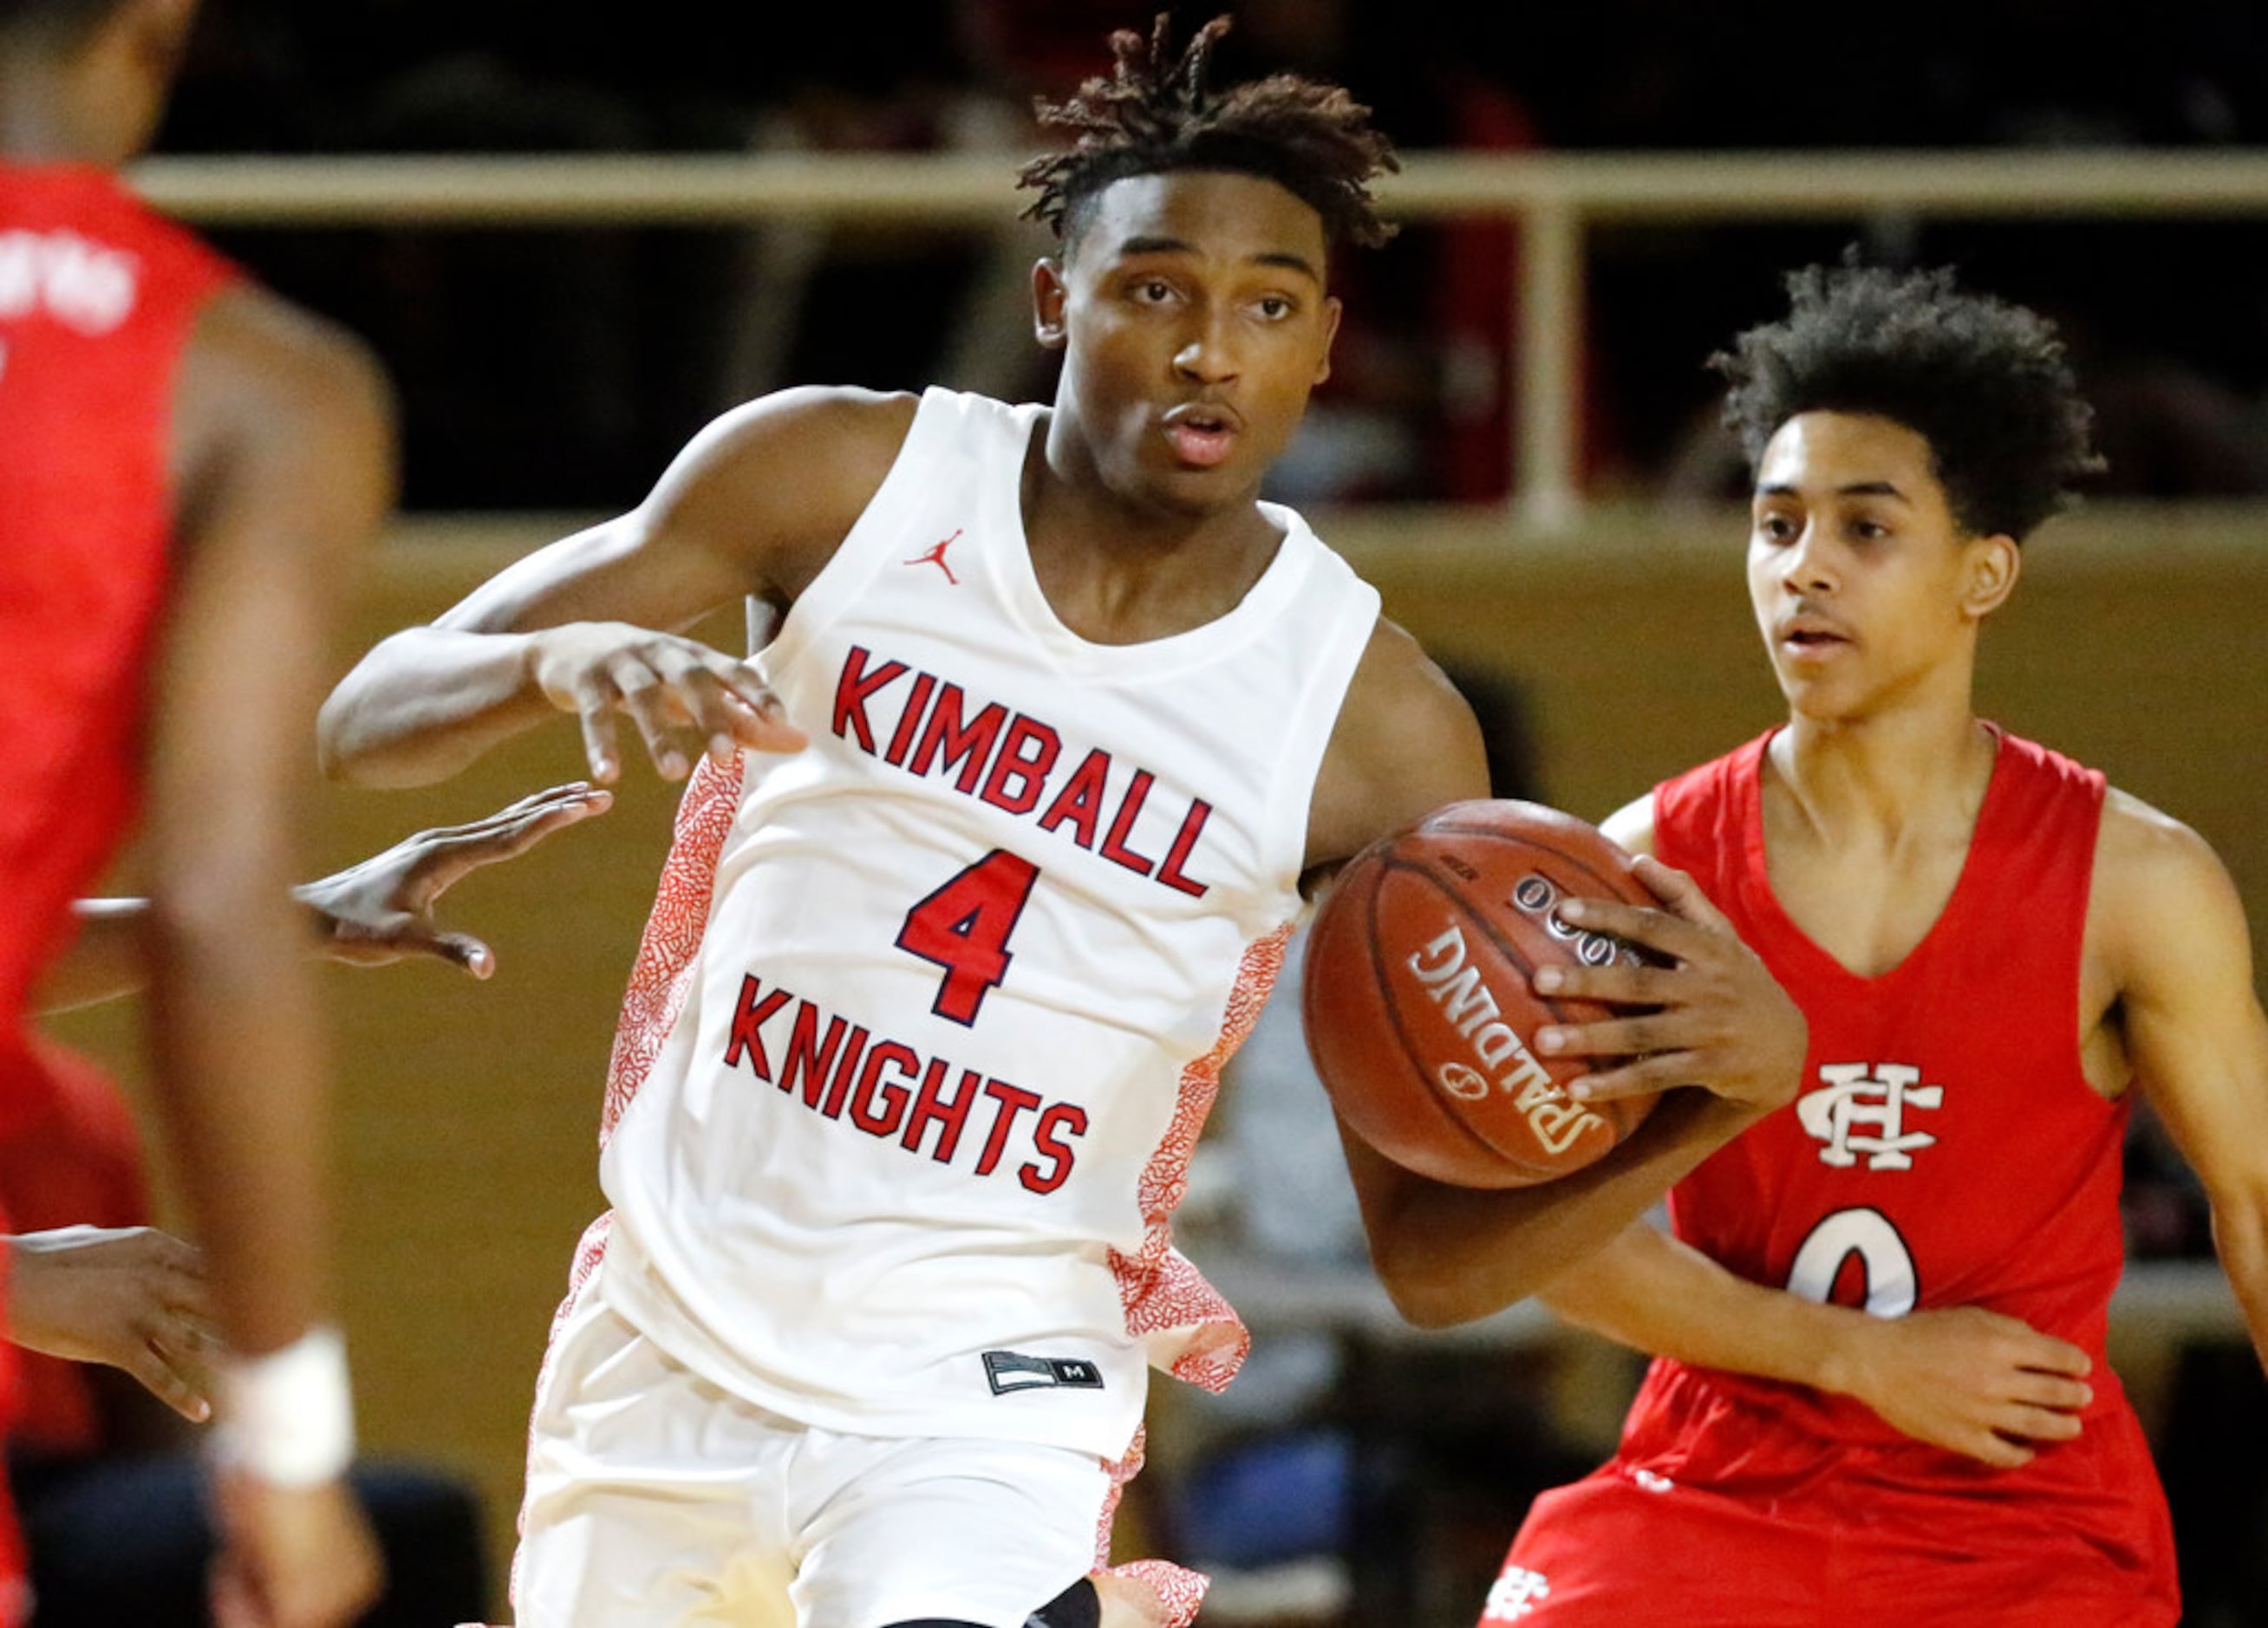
(1208, 351)
(1806, 565)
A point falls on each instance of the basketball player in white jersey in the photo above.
(985, 867)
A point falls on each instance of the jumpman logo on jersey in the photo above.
(1861, 1109)
(936, 557)
(1515, 1596)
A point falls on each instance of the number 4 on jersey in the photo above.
(964, 928)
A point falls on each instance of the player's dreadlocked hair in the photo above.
(1983, 381)
(1155, 114)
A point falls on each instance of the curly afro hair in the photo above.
(1155, 114)
(1985, 382)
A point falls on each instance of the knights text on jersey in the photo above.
(931, 1013)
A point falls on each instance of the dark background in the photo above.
(560, 369)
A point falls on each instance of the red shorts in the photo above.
(1617, 1552)
(1720, 1515)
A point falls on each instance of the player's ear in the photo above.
(1989, 572)
(1332, 310)
(1049, 296)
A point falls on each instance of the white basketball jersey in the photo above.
(929, 1016)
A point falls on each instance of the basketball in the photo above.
(1418, 1005)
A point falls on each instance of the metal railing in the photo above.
(1554, 199)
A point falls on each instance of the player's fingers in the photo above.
(1636, 1035)
(761, 723)
(2029, 1424)
(594, 707)
(173, 1255)
(646, 698)
(1679, 893)
(1695, 932)
(2050, 1390)
(1996, 1450)
(721, 714)
(1640, 1076)
(462, 949)
(568, 795)
(465, 849)
(1668, 935)
(171, 1377)
(758, 719)
(1619, 986)
(2042, 1353)
(184, 1292)
(510, 818)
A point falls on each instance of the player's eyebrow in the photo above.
(1856, 489)
(1283, 259)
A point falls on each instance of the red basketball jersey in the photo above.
(1945, 1150)
(97, 297)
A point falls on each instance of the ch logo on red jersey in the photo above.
(1514, 1596)
(1861, 1110)
(936, 557)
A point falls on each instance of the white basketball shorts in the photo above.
(656, 1500)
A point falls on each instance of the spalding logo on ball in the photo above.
(1419, 1012)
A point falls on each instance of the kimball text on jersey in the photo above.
(1008, 760)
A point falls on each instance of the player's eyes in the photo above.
(1775, 527)
(1152, 291)
(1274, 307)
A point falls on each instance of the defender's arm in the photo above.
(2175, 941)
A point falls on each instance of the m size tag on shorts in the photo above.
(1012, 1370)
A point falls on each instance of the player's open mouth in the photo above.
(1202, 436)
(1810, 636)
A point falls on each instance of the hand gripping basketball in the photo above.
(1420, 1010)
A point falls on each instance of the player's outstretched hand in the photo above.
(290, 1556)
(1710, 1015)
(129, 1296)
(684, 696)
(1967, 1380)
(381, 909)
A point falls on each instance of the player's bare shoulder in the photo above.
(1405, 743)
(2161, 895)
(277, 405)
(259, 369)
(795, 469)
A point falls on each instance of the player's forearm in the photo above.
(1650, 1291)
(1449, 1255)
(427, 702)
(235, 1029)
(2240, 1232)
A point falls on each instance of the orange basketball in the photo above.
(1419, 1012)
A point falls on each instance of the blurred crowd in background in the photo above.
(552, 369)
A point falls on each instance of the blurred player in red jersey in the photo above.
(1879, 1393)
(191, 464)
